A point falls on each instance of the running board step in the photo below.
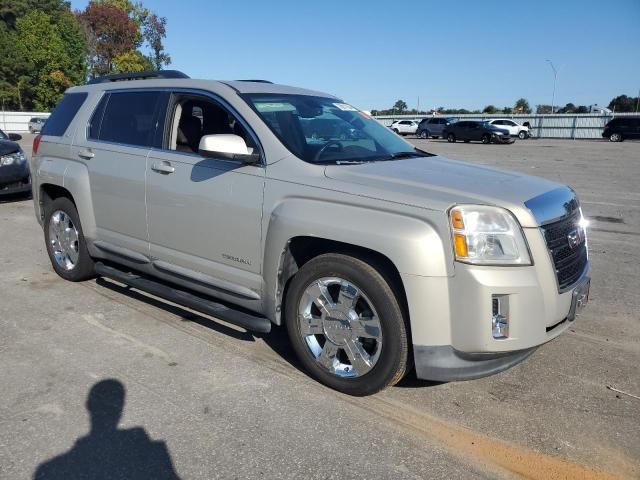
(251, 322)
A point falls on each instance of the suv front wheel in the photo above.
(424, 134)
(346, 325)
(615, 137)
(65, 242)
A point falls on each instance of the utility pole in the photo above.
(555, 77)
(637, 100)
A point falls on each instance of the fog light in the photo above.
(500, 316)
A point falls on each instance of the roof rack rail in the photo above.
(118, 77)
(256, 81)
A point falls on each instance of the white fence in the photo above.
(18, 122)
(567, 125)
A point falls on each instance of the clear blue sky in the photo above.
(464, 54)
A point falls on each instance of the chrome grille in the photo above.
(569, 262)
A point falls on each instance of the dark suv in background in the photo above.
(432, 127)
(468, 130)
(621, 128)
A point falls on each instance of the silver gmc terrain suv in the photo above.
(265, 204)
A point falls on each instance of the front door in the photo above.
(204, 214)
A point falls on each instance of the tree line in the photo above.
(46, 47)
(621, 103)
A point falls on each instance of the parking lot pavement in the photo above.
(228, 404)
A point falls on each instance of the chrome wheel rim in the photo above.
(64, 240)
(340, 327)
(615, 137)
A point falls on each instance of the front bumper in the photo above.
(451, 317)
(502, 139)
(443, 363)
(9, 186)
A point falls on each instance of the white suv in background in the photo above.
(515, 129)
(404, 127)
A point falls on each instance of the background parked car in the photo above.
(36, 124)
(514, 128)
(14, 168)
(473, 130)
(432, 127)
(404, 127)
(622, 128)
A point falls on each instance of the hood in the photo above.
(7, 146)
(439, 183)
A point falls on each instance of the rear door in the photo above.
(114, 147)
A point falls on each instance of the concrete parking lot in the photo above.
(229, 404)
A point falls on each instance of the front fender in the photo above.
(412, 239)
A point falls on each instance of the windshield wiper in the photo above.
(399, 155)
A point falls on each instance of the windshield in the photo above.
(325, 130)
(3, 136)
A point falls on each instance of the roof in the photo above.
(240, 86)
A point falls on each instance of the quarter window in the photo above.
(62, 116)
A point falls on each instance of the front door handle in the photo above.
(87, 154)
(163, 167)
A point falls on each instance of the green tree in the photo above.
(522, 106)
(132, 61)
(543, 109)
(39, 41)
(507, 110)
(400, 106)
(490, 109)
(623, 103)
(582, 109)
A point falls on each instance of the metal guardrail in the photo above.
(557, 125)
(18, 122)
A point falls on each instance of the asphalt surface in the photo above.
(207, 400)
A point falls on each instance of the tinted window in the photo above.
(62, 116)
(130, 118)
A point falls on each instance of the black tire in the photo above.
(522, 135)
(486, 139)
(616, 137)
(451, 138)
(397, 132)
(84, 268)
(393, 362)
(424, 134)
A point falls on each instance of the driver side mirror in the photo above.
(227, 146)
(14, 137)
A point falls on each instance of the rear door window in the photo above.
(129, 118)
(63, 114)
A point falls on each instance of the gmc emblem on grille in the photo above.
(575, 238)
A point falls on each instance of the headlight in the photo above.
(16, 157)
(498, 133)
(485, 235)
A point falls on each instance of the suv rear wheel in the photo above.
(615, 137)
(346, 325)
(65, 242)
(451, 138)
(486, 139)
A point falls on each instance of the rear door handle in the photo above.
(163, 167)
(86, 154)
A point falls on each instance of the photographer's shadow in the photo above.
(108, 452)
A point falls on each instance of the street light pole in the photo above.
(555, 77)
